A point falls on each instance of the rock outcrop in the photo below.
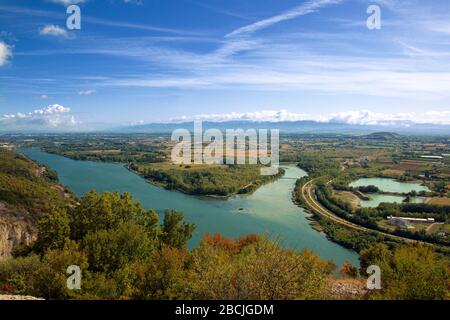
(348, 289)
(16, 229)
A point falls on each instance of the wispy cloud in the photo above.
(275, 69)
(416, 51)
(330, 61)
(129, 25)
(93, 20)
(86, 92)
(68, 2)
(220, 10)
(301, 10)
(138, 2)
(54, 31)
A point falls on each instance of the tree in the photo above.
(175, 231)
(110, 250)
(409, 273)
(107, 211)
(53, 230)
(50, 279)
(349, 270)
(260, 270)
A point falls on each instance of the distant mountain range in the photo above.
(291, 127)
(285, 127)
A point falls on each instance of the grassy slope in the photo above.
(24, 184)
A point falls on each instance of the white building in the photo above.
(425, 220)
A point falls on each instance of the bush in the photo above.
(409, 273)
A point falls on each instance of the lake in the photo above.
(389, 185)
(269, 210)
(376, 199)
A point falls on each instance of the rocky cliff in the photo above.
(27, 191)
(16, 229)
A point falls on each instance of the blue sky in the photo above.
(160, 60)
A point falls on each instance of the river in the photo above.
(269, 210)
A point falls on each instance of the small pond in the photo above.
(389, 185)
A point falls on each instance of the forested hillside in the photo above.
(124, 252)
(27, 191)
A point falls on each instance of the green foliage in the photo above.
(220, 181)
(260, 270)
(16, 273)
(297, 193)
(317, 165)
(107, 235)
(369, 189)
(106, 148)
(352, 239)
(107, 211)
(16, 165)
(166, 275)
(409, 273)
(22, 185)
(53, 230)
(326, 198)
(50, 174)
(110, 250)
(50, 279)
(175, 232)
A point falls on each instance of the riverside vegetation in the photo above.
(206, 180)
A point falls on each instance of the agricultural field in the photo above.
(349, 197)
(437, 228)
(441, 201)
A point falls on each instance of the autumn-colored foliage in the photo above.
(229, 245)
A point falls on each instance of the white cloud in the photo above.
(52, 117)
(137, 123)
(87, 92)
(5, 53)
(44, 97)
(361, 117)
(68, 2)
(301, 10)
(138, 2)
(365, 117)
(265, 115)
(53, 30)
